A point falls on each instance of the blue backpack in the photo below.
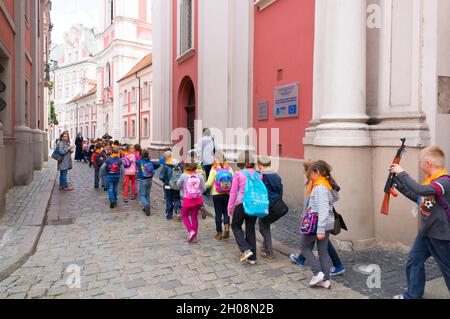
(113, 168)
(256, 200)
(147, 169)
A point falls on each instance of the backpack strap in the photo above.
(438, 185)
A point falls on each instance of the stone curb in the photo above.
(34, 223)
(278, 246)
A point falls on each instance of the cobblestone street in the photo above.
(124, 254)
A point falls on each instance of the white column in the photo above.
(343, 119)
(161, 119)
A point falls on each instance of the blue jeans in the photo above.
(173, 202)
(96, 177)
(422, 250)
(145, 186)
(113, 183)
(63, 179)
(221, 209)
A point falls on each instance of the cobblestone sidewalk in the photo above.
(22, 223)
(124, 254)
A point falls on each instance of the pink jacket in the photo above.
(131, 171)
(239, 181)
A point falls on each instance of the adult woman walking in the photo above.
(65, 150)
(79, 148)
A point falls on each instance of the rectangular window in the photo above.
(186, 26)
(133, 95)
(133, 128)
(125, 129)
(145, 130)
(125, 98)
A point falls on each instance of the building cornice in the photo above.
(118, 43)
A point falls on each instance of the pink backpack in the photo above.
(192, 188)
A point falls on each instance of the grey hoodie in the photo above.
(322, 202)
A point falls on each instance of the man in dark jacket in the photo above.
(432, 199)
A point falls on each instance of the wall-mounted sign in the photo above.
(263, 111)
(286, 101)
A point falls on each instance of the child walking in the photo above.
(220, 179)
(193, 185)
(146, 171)
(432, 199)
(98, 159)
(129, 163)
(321, 199)
(172, 196)
(245, 241)
(338, 267)
(274, 187)
(113, 166)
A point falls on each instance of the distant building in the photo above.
(136, 103)
(74, 74)
(125, 40)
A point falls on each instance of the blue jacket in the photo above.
(274, 185)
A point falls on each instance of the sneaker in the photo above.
(195, 240)
(68, 189)
(296, 259)
(125, 200)
(336, 271)
(133, 197)
(402, 297)
(112, 205)
(324, 284)
(251, 262)
(147, 211)
(317, 279)
(246, 255)
(191, 236)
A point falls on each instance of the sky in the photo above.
(66, 13)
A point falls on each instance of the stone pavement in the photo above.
(124, 254)
(24, 218)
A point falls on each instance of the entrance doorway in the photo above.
(190, 110)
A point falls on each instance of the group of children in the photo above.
(235, 194)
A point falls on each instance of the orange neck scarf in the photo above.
(320, 181)
(430, 178)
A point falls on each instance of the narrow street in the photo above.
(124, 254)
